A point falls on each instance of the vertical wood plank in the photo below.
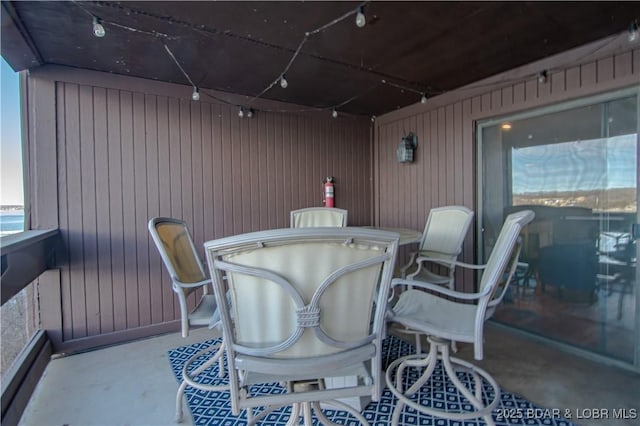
(496, 100)
(140, 202)
(605, 70)
(197, 186)
(588, 74)
(208, 204)
(506, 97)
(153, 205)
(557, 80)
(262, 159)
(572, 78)
(217, 169)
(458, 153)
(129, 210)
(435, 159)
(88, 210)
(229, 173)
(116, 209)
(103, 227)
(518, 93)
(163, 285)
(66, 330)
(450, 153)
(283, 209)
(77, 300)
(623, 65)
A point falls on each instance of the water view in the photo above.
(11, 221)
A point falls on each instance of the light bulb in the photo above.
(361, 20)
(373, 118)
(334, 113)
(196, 94)
(98, 29)
(240, 112)
(250, 113)
(423, 99)
(542, 77)
(633, 32)
(283, 81)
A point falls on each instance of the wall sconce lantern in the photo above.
(405, 150)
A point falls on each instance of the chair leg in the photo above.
(308, 409)
(179, 395)
(341, 406)
(306, 414)
(440, 350)
(189, 376)
(295, 413)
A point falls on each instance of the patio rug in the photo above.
(214, 408)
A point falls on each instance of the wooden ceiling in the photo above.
(242, 47)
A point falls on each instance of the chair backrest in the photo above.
(502, 262)
(303, 293)
(445, 230)
(177, 250)
(318, 216)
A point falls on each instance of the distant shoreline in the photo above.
(11, 207)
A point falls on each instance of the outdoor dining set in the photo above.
(304, 313)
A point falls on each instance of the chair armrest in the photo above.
(439, 289)
(439, 261)
(469, 265)
(405, 268)
(192, 285)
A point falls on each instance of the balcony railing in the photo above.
(24, 257)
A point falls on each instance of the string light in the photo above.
(633, 31)
(423, 95)
(373, 118)
(361, 20)
(98, 29)
(542, 77)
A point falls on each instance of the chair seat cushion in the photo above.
(431, 277)
(435, 316)
(203, 313)
(265, 370)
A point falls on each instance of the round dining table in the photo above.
(407, 236)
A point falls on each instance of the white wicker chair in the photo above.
(318, 216)
(446, 315)
(187, 273)
(305, 304)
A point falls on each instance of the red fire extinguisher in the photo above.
(328, 195)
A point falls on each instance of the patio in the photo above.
(118, 128)
(133, 384)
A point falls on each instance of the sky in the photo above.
(10, 145)
(588, 165)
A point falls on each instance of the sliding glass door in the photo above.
(576, 166)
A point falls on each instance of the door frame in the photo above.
(479, 242)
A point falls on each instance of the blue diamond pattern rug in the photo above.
(214, 408)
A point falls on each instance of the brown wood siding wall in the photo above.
(124, 156)
(444, 170)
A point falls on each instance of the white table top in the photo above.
(407, 236)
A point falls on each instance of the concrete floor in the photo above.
(132, 384)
